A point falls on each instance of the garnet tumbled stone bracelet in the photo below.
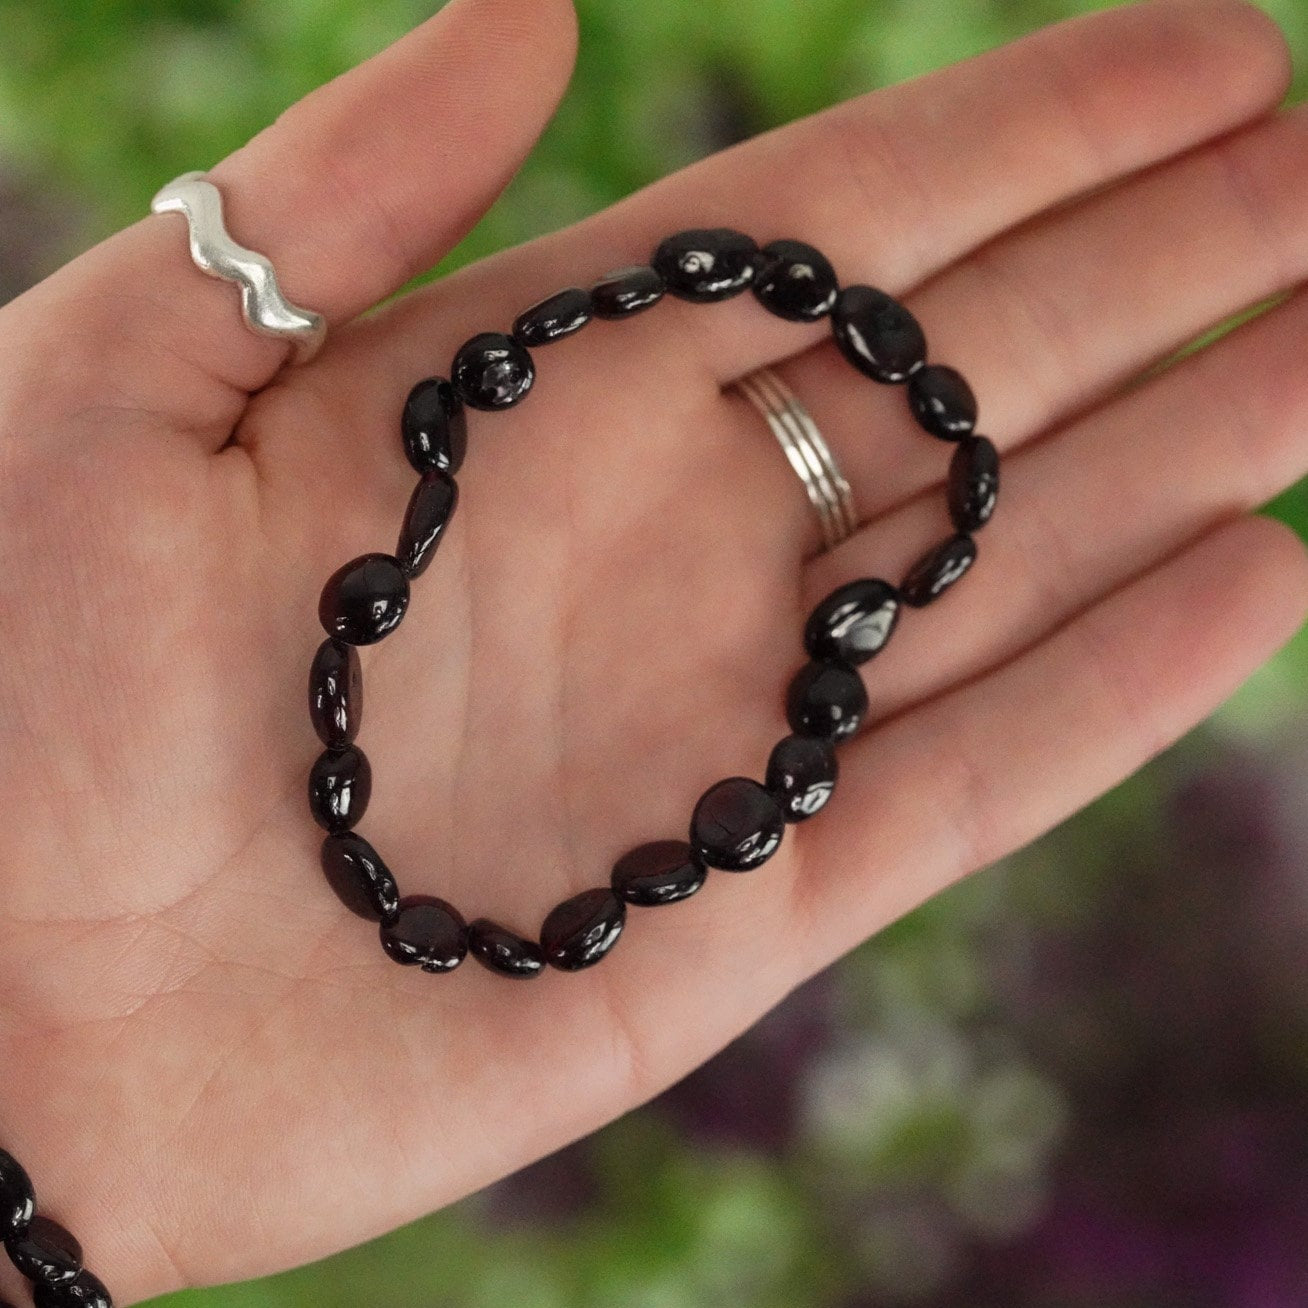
(738, 823)
(41, 1249)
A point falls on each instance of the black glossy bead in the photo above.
(877, 334)
(431, 506)
(794, 281)
(340, 785)
(625, 291)
(364, 600)
(336, 693)
(937, 570)
(826, 699)
(661, 872)
(706, 263)
(580, 931)
(736, 825)
(973, 483)
(492, 371)
(554, 317)
(427, 933)
(854, 622)
(801, 775)
(434, 427)
(17, 1198)
(942, 401)
(504, 951)
(45, 1252)
(362, 882)
(84, 1291)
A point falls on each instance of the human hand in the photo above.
(214, 1071)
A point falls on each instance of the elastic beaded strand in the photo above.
(49, 1256)
(737, 824)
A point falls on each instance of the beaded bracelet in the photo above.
(738, 823)
(41, 1249)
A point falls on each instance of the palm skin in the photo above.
(214, 1070)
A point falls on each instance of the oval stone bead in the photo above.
(942, 401)
(340, 785)
(937, 570)
(625, 291)
(45, 1252)
(661, 872)
(83, 1291)
(362, 882)
(578, 932)
(434, 427)
(364, 600)
(492, 371)
(504, 951)
(431, 506)
(426, 932)
(794, 281)
(826, 699)
(854, 622)
(706, 263)
(973, 483)
(736, 825)
(877, 334)
(801, 775)
(17, 1198)
(554, 317)
(336, 693)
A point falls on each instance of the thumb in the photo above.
(363, 183)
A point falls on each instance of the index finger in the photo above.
(896, 184)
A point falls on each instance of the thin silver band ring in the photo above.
(808, 453)
(263, 306)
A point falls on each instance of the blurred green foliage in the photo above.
(931, 1124)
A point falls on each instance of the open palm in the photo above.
(213, 1071)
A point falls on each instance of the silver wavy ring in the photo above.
(263, 306)
(808, 453)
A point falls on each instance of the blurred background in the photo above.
(1078, 1080)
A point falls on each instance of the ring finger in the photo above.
(1092, 506)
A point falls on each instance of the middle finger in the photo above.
(1054, 316)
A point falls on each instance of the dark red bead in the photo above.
(426, 932)
(854, 622)
(801, 775)
(973, 483)
(431, 506)
(17, 1198)
(736, 826)
(554, 317)
(336, 693)
(362, 882)
(45, 1252)
(364, 600)
(504, 951)
(661, 872)
(826, 699)
(579, 932)
(794, 281)
(706, 263)
(340, 785)
(625, 291)
(937, 570)
(83, 1291)
(942, 401)
(877, 334)
(434, 427)
(492, 371)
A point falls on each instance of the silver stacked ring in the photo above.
(808, 453)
